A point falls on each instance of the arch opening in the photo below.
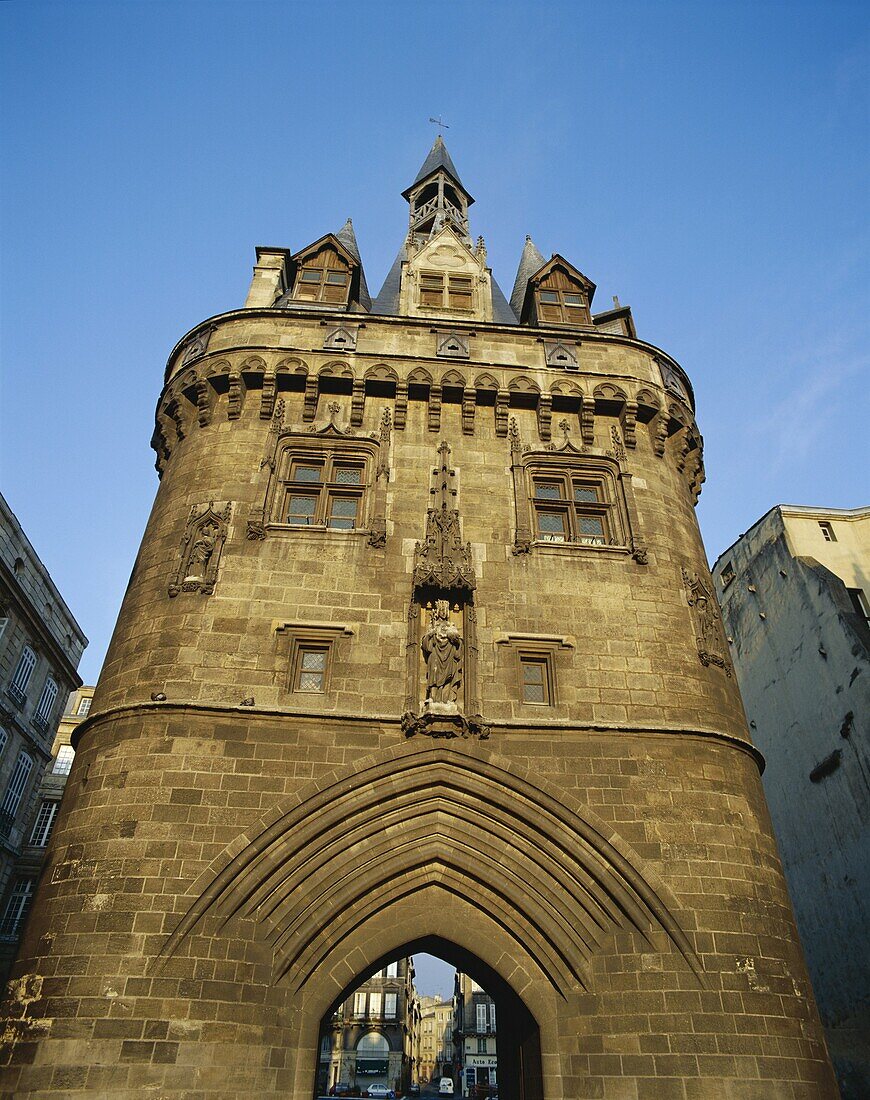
(405, 1024)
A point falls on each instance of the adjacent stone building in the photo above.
(434, 1039)
(420, 653)
(371, 1039)
(475, 1039)
(25, 872)
(794, 592)
(41, 645)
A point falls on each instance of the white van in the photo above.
(445, 1088)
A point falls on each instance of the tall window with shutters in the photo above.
(44, 824)
(17, 906)
(323, 277)
(44, 706)
(23, 671)
(446, 292)
(15, 790)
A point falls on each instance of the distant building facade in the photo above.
(371, 1038)
(41, 645)
(435, 1039)
(37, 833)
(475, 1039)
(794, 592)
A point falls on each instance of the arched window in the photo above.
(373, 1045)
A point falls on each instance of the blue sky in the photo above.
(706, 162)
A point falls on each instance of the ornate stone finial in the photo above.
(618, 451)
(616, 304)
(442, 560)
(514, 435)
(565, 428)
(481, 249)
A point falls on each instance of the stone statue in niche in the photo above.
(201, 547)
(708, 631)
(201, 552)
(443, 649)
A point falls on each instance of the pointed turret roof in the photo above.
(348, 238)
(530, 262)
(438, 158)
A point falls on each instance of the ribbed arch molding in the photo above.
(313, 872)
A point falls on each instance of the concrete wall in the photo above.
(802, 658)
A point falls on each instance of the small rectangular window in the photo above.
(310, 672)
(481, 1017)
(390, 1002)
(431, 290)
(552, 526)
(359, 1004)
(342, 513)
(859, 602)
(63, 760)
(392, 970)
(302, 471)
(375, 1004)
(459, 292)
(301, 510)
(535, 678)
(827, 531)
(44, 823)
(727, 574)
(84, 706)
(481, 1045)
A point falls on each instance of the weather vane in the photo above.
(439, 122)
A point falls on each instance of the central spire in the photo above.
(437, 196)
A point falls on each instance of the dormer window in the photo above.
(323, 277)
(562, 301)
(446, 291)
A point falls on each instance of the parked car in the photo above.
(445, 1087)
(342, 1088)
(380, 1091)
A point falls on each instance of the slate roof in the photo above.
(438, 158)
(530, 262)
(348, 238)
(387, 301)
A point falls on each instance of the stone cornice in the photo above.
(535, 335)
(497, 726)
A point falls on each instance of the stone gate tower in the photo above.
(420, 652)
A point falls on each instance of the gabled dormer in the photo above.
(551, 292)
(445, 277)
(328, 274)
(437, 197)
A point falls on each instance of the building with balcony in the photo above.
(435, 1039)
(15, 905)
(41, 645)
(372, 1037)
(475, 1039)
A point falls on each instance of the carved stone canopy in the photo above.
(442, 561)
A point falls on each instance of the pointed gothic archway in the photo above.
(520, 1067)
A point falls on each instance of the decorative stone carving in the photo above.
(442, 647)
(545, 416)
(445, 726)
(442, 560)
(468, 410)
(267, 396)
(661, 433)
(618, 451)
(198, 345)
(708, 623)
(401, 409)
(587, 420)
(378, 532)
(357, 402)
(452, 345)
(672, 381)
(341, 338)
(629, 423)
(309, 403)
(560, 355)
(234, 397)
(434, 408)
(201, 548)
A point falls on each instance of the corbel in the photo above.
(401, 408)
(172, 409)
(502, 403)
(267, 396)
(234, 397)
(468, 408)
(628, 419)
(661, 432)
(357, 402)
(309, 404)
(434, 408)
(545, 416)
(685, 446)
(204, 402)
(587, 420)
